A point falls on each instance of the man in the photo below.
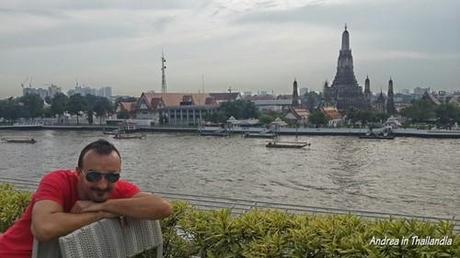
(67, 200)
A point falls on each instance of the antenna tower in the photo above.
(163, 75)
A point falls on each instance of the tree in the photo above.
(266, 119)
(313, 100)
(59, 104)
(32, 105)
(102, 107)
(10, 109)
(239, 109)
(125, 115)
(447, 114)
(216, 117)
(365, 117)
(420, 111)
(91, 101)
(76, 104)
(317, 118)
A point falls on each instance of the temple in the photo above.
(345, 93)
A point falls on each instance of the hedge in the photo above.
(270, 233)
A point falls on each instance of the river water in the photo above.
(412, 176)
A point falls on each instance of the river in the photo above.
(413, 176)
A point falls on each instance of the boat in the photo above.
(218, 132)
(385, 133)
(292, 145)
(19, 140)
(383, 137)
(263, 134)
(112, 132)
(128, 136)
(124, 128)
(259, 135)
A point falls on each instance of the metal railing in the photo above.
(240, 206)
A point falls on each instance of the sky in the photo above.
(214, 45)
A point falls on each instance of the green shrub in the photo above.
(266, 233)
(12, 205)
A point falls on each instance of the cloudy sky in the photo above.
(248, 45)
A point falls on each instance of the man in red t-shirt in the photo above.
(67, 200)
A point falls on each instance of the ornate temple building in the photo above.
(345, 93)
(385, 104)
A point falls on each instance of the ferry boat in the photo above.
(292, 145)
(128, 136)
(124, 128)
(19, 140)
(222, 132)
(262, 134)
(383, 137)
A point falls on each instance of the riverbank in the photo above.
(402, 132)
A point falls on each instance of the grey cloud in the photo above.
(161, 23)
(399, 22)
(102, 4)
(65, 34)
(33, 12)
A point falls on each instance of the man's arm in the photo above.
(50, 221)
(142, 205)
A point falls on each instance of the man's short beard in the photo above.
(100, 195)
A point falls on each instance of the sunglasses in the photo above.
(94, 176)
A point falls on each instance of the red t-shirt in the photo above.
(59, 186)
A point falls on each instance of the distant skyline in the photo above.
(248, 45)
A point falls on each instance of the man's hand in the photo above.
(86, 206)
(89, 206)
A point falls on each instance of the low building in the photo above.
(298, 116)
(335, 118)
(331, 112)
(176, 108)
(268, 103)
(127, 107)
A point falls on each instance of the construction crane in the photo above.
(22, 83)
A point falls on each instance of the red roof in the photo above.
(225, 96)
(127, 106)
(331, 113)
(153, 99)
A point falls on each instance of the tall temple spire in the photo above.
(295, 94)
(345, 39)
(367, 89)
(390, 98)
(345, 92)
